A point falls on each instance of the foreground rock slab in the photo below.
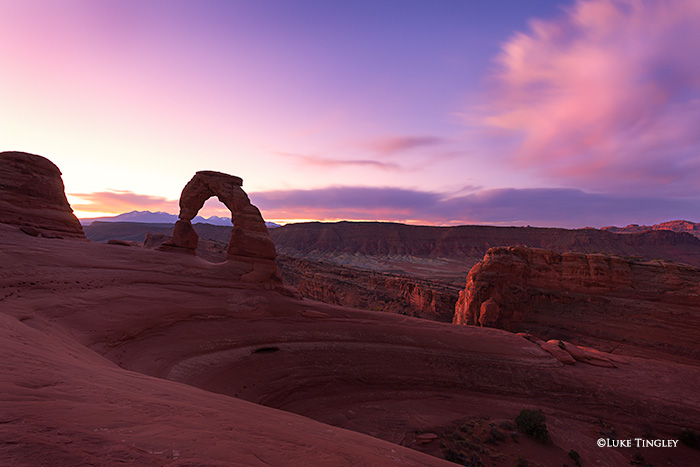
(135, 354)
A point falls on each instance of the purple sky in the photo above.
(447, 112)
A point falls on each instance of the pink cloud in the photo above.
(395, 144)
(334, 163)
(118, 201)
(605, 97)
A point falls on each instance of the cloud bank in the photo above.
(605, 97)
(119, 201)
(547, 207)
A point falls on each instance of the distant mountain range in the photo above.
(148, 217)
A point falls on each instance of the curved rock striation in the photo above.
(642, 308)
(32, 196)
(250, 242)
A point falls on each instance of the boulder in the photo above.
(489, 313)
(557, 352)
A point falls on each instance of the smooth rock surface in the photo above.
(32, 197)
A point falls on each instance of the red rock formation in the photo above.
(693, 228)
(157, 317)
(370, 290)
(32, 196)
(116, 355)
(595, 299)
(250, 242)
(449, 252)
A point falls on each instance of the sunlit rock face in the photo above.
(249, 242)
(599, 300)
(32, 196)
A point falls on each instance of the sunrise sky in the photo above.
(540, 112)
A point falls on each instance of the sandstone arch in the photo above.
(249, 238)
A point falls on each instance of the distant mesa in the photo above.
(693, 228)
(32, 196)
(249, 242)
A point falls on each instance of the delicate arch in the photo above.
(249, 237)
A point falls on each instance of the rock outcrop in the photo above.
(32, 196)
(599, 300)
(250, 242)
(369, 290)
(693, 228)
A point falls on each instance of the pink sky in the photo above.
(543, 112)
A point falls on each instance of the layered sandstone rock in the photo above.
(693, 228)
(599, 300)
(449, 252)
(250, 242)
(32, 197)
(370, 290)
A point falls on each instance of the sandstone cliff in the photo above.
(32, 197)
(609, 302)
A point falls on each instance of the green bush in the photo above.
(690, 438)
(576, 457)
(533, 423)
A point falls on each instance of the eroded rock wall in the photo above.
(597, 299)
(369, 290)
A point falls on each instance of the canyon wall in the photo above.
(427, 250)
(610, 302)
(370, 290)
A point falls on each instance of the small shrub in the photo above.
(494, 436)
(507, 425)
(455, 457)
(638, 459)
(690, 438)
(533, 423)
(576, 457)
(522, 462)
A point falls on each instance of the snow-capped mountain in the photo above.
(148, 217)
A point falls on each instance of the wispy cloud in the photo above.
(395, 144)
(318, 161)
(119, 201)
(605, 97)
